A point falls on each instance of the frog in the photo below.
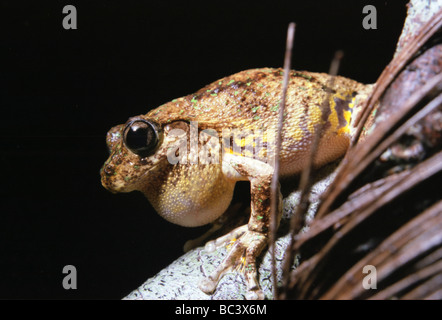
(187, 155)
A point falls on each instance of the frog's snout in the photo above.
(107, 171)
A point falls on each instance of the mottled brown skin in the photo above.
(197, 194)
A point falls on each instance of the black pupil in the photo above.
(140, 137)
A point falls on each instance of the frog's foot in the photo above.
(245, 247)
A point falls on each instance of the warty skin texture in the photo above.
(192, 193)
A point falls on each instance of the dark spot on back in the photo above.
(341, 106)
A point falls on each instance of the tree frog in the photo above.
(186, 155)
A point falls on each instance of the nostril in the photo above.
(109, 169)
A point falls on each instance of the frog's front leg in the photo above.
(248, 241)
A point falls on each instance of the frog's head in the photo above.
(152, 156)
(136, 148)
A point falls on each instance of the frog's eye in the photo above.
(141, 137)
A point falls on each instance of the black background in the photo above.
(61, 90)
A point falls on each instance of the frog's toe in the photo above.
(228, 238)
(242, 256)
(208, 285)
(256, 294)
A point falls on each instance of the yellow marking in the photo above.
(314, 118)
(347, 116)
(333, 117)
(231, 243)
(242, 264)
(245, 140)
(352, 103)
(230, 151)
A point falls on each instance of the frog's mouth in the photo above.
(111, 179)
(115, 184)
(117, 179)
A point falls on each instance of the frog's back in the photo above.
(249, 101)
